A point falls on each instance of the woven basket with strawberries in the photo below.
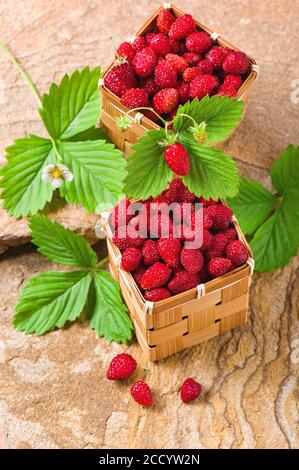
(171, 60)
(182, 262)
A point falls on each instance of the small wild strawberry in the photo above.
(177, 158)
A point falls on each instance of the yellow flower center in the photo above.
(56, 173)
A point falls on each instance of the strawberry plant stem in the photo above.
(22, 72)
(102, 262)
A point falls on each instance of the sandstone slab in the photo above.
(53, 391)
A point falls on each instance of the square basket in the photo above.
(111, 107)
(184, 320)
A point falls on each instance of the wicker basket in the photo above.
(111, 107)
(184, 320)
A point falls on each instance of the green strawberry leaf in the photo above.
(213, 174)
(24, 193)
(72, 106)
(106, 311)
(277, 240)
(148, 173)
(220, 113)
(98, 169)
(51, 299)
(252, 204)
(93, 133)
(60, 244)
(285, 171)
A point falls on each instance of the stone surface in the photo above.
(16, 232)
(53, 388)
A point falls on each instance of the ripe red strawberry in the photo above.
(207, 222)
(199, 42)
(182, 26)
(150, 252)
(236, 62)
(237, 253)
(165, 76)
(120, 78)
(190, 73)
(207, 238)
(155, 276)
(159, 293)
(221, 216)
(131, 259)
(183, 89)
(134, 98)
(141, 393)
(120, 214)
(232, 80)
(149, 37)
(178, 63)
(190, 390)
(205, 67)
(225, 90)
(121, 367)
(122, 240)
(126, 51)
(173, 193)
(230, 233)
(138, 274)
(161, 226)
(169, 250)
(219, 266)
(192, 58)
(217, 247)
(175, 46)
(177, 158)
(166, 100)
(160, 44)
(192, 260)
(202, 85)
(149, 86)
(144, 62)
(165, 20)
(216, 56)
(139, 43)
(183, 281)
(187, 196)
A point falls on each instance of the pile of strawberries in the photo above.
(163, 266)
(174, 63)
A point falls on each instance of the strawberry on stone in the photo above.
(121, 367)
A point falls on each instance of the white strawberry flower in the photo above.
(56, 174)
